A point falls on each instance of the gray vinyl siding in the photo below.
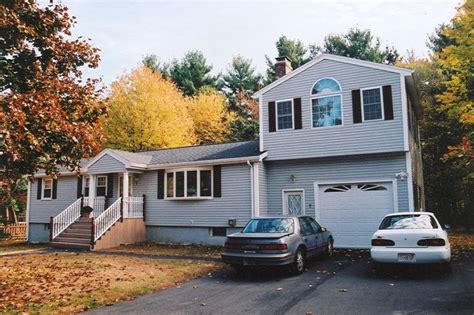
(42, 210)
(262, 183)
(350, 138)
(234, 203)
(306, 172)
(106, 164)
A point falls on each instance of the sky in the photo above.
(127, 30)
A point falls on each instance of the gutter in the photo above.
(252, 188)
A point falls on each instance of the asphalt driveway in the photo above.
(345, 284)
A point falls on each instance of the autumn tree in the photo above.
(356, 43)
(210, 116)
(146, 112)
(192, 73)
(49, 114)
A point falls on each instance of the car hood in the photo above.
(258, 235)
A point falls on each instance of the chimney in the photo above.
(282, 66)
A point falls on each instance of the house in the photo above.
(338, 141)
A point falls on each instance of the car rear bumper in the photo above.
(236, 258)
(422, 255)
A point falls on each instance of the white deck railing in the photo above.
(107, 218)
(133, 207)
(99, 205)
(67, 217)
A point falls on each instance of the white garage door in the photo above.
(353, 212)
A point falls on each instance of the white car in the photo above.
(411, 238)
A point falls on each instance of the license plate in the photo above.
(406, 258)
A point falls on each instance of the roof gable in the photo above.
(318, 59)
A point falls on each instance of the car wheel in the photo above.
(299, 263)
(329, 248)
(444, 267)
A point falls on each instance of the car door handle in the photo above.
(305, 239)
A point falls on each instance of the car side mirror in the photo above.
(323, 229)
(447, 227)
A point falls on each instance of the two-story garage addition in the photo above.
(338, 141)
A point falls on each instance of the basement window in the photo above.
(218, 231)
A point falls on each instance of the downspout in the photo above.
(251, 189)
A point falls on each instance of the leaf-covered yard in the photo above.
(67, 282)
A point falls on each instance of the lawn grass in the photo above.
(150, 248)
(65, 282)
(11, 245)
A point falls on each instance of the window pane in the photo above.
(179, 184)
(169, 185)
(372, 104)
(100, 192)
(325, 86)
(192, 184)
(327, 111)
(48, 183)
(47, 193)
(285, 115)
(101, 181)
(206, 184)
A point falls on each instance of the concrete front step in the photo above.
(70, 245)
(64, 239)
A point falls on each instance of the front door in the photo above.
(293, 202)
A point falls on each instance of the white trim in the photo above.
(406, 145)
(28, 205)
(256, 170)
(409, 180)
(331, 93)
(283, 201)
(292, 115)
(341, 59)
(198, 183)
(317, 199)
(209, 162)
(381, 103)
(323, 96)
(260, 125)
(130, 183)
(252, 191)
(43, 185)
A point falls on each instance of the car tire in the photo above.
(329, 248)
(444, 268)
(299, 263)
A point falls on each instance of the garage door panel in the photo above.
(353, 211)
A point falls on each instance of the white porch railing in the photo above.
(107, 218)
(133, 207)
(99, 205)
(67, 217)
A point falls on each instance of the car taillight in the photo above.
(231, 246)
(382, 242)
(273, 247)
(431, 242)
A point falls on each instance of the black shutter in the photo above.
(110, 185)
(356, 107)
(271, 117)
(40, 186)
(79, 186)
(217, 181)
(161, 184)
(55, 188)
(387, 102)
(298, 118)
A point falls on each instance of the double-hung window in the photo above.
(372, 104)
(189, 183)
(284, 114)
(101, 190)
(47, 189)
(326, 105)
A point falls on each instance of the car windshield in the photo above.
(416, 221)
(269, 226)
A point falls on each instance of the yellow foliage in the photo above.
(146, 111)
(208, 111)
